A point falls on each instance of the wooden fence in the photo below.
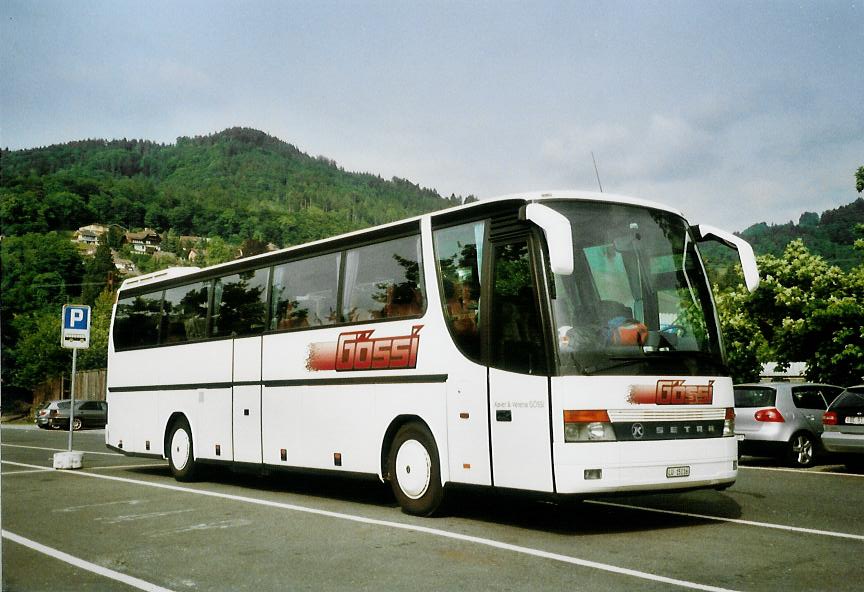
(89, 385)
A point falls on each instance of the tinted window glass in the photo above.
(459, 253)
(852, 398)
(136, 323)
(808, 398)
(754, 396)
(185, 313)
(240, 303)
(516, 340)
(384, 281)
(304, 293)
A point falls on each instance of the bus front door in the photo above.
(521, 440)
(246, 405)
(518, 373)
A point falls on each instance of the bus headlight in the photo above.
(588, 426)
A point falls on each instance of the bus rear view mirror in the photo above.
(745, 251)
(559, 239)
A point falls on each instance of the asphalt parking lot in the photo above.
(124, 524)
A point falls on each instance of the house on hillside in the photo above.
(190, 245)
(91, 234)
(124, 266)
(146, 241)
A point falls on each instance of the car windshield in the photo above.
(754, 396)
(638, 301)
(63, 405)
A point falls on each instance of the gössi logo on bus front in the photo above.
(672, 392)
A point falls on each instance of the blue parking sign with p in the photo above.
(76, 326)
(77, 317)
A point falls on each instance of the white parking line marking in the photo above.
(78, 562)
(163, 465)
(842, 535)
(60, 449)
(136, 517)
(132, 502)
(412, 528)
(800, 471)
(7, 473)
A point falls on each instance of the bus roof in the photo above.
(528, 196)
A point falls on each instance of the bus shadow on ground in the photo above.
(606, 515)
(593, 516)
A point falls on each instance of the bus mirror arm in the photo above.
(559, 238)
(745, 251)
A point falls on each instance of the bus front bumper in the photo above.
(601, 467)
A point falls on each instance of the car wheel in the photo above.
(181, 458)
(77, 424)
(802, 450)
(415, 473)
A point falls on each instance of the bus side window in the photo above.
(384, 281)
(459, 252)
(184, 313)
(137, 321)
(240, 303)
(304, 293)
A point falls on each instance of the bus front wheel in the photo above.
(415, 472)
(181, 459)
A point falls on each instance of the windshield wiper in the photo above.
(671, 356)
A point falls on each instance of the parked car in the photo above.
(844, 427)
(782, 419)
(55, 414)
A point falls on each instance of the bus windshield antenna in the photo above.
(596, 172)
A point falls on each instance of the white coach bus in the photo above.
(564, 343)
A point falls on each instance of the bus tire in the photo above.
(181, 458)
(415, 472)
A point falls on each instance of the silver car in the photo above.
(782, 419)
(55, 414)
(844, 427)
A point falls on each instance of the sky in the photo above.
(732, 112)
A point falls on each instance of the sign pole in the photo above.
(75, 335)
(72, 396)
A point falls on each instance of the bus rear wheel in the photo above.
(415, 472)
(181, 458)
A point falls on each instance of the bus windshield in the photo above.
(638, 301)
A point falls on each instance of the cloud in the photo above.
(662, 148)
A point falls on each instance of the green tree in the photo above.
(218, 251)
(96, 356)
(859, 179)
(37, 354)
(805, 310)
(97, 272)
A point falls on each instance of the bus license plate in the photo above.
(673, 472)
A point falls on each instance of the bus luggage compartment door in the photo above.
(521, 437)
(246, 405)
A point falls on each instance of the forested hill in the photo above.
(237, 184)
(830, 235)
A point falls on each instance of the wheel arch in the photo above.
(390, 435)
(174, 418)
